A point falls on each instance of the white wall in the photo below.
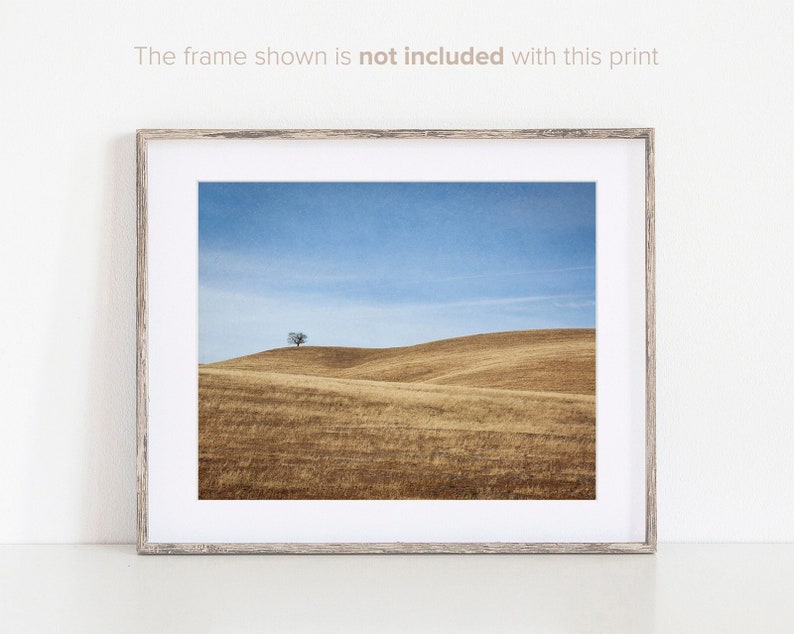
(720, 100)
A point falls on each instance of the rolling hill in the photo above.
(560, 360)
(496, 416)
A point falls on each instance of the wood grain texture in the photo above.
(142, 344)
(399, 548)
(144, 546)
(650, 341)
(551, 133)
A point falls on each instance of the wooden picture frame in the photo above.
(618, 516)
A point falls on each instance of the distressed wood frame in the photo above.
(146, 547)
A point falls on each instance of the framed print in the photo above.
(396, 341)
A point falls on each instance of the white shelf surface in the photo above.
(683, 588)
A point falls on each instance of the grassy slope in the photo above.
(547, 360)
(498, 416)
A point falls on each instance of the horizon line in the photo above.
(421, 343)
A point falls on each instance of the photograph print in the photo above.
(397, 341)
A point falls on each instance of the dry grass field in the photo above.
(495, 416)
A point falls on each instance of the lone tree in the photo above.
(297, 338)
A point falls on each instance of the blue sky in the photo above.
(390, 264)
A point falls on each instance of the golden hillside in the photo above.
(561, 360)
(507, 415)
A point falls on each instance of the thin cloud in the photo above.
(575, 305)
(491, 274)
